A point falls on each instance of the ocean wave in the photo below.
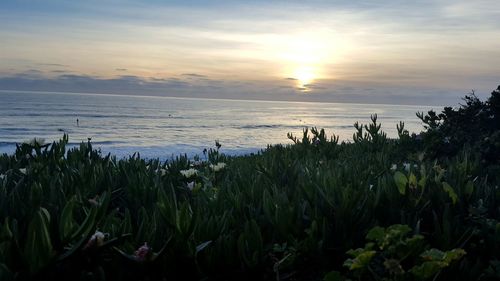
(183, 126)
(268, 126)
(16, 129)
(89, 115)
(7, 143)
(73, 143)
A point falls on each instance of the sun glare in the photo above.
(304, 56)
(304, 76)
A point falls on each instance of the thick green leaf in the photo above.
(433, 255)
(427, 269)
(454, 255)
(469, 188)
(250, 244)
(422, 181)
(376, 234)
(83, 233)
(360, 261)
(435, 260)
(451, 192)
(412, 180)
(38, 250)
(67, 224)
(401, 182)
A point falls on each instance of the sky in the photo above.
(393, 51)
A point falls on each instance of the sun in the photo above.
(304, 57)
(305, 76)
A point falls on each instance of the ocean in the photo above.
(165, 127)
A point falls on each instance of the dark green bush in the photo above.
(475, 124)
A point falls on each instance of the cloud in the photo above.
(291, 79)
(320, 91)
(349, 89)
(194, 75)
(53, 64)
(314, 86)
(33, 71)
(30, 74)
(127, 84)
(396, 42)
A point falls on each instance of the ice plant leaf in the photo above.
(83, 233)
(451, 192)
(469, 188)
(412, 180)
(401, 181)
(66, 223)
(38, 250)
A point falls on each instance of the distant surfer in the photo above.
(77, 122)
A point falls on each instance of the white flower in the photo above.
(2, 176)
(217, 167)
(197, 163)
(189, 173)
(190, 185)
(94, 201)
(97, 240)
(371, 187)
(394, 167)
(23, 171)
(407, 166)
(35, 141)
(161, 171)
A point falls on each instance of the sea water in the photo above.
(162, 127)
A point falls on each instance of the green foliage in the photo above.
(394, 255)
(298, 211)
(434, 261)
(250, 245)
(38, 249)
(475, 124)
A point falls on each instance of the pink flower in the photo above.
(143, 252)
